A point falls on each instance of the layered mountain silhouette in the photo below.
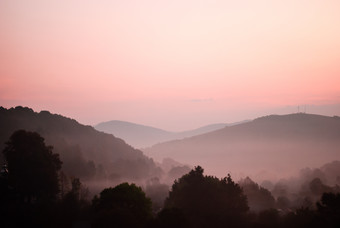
(267, 147)
(85, 152)
(141, 136)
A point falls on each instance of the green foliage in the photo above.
(123, 206)
(207, 200)
(32, 167)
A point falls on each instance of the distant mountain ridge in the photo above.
(283, 143)
(141, 136)
(134, 134)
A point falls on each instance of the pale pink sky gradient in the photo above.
(175, 64)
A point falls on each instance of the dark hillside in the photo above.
(84, 151)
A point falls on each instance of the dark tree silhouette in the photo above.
(207, 201)
(302, 217)
(31, 182)
(329, 209)
(318, 188)
(123, 206)
(73, 207)
(157, 192)
(283, 203)
(268, 218)
(32, 167)
(259, 198)
(171, 217)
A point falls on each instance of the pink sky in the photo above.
(171, 64)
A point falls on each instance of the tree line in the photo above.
(35, 193)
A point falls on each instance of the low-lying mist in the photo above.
(267, 148)
(281, 162)
(303, 189)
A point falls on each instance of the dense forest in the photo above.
(35, 193)
(97, 158)
(86, 153)
(56, 172)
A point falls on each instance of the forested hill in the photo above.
(268, 146)
(84, 151)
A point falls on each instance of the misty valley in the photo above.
(273, 171)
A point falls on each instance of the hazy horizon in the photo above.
(329, 110)
(174, 65)
(179, 66)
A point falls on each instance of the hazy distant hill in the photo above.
(84, 151)
(134, 134)
(265, 147)
(141, 136)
